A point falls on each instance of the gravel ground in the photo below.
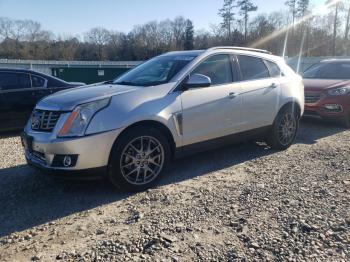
(243, 203)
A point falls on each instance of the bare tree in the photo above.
(32, 30)
(335, 27)
(5, 27)
(98, 36)
(347, 25)
(178, 30)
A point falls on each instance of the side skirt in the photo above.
(221, 142)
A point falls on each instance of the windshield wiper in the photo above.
(125, 83)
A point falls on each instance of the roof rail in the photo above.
(241, 48)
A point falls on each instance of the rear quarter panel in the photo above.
(292, 88)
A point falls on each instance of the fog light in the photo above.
(333, 107)
(64, 161)
(67, 161)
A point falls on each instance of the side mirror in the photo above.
(197, 80)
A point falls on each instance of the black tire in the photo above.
(118, 174)
(274, 137)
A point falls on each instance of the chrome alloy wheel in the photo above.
(287, 129)
(142, 160)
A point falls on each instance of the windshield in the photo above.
(157, 71)
(339, 70)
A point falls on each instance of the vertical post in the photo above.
(335, 29)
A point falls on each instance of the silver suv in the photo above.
(169, 106)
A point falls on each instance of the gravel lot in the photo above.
(244, 203)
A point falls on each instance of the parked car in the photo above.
(20, 90)
(172, 105)
(327, 90)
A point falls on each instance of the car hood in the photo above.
(324, 84)
(68, 99)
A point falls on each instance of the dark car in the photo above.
(327, 90)
(20, 90)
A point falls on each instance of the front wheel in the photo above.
(138, 159)
(284, 129)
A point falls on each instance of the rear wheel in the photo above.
(138, 159)
(284, 129)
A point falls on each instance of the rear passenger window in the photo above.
(23, 81)
(9, 81)
(252, 68)
(275, 71)
(217, 68)
(37, 81)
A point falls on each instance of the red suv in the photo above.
(327, 90)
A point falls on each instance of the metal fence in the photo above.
(74, 71)
(90, 71)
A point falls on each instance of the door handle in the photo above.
(232, 95)
(274, 85)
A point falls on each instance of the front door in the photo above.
(213, 111)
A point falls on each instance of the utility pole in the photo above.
(335, 29)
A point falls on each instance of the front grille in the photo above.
(44, 121)
(311, 98)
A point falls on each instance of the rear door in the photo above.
(39, 88)
(15, 96)
(260, 92)
(55, 85)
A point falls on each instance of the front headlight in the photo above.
(79, 119)
(339, 91)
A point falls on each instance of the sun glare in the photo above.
(319, 10)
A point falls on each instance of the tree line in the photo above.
(295, 30)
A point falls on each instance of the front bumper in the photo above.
(91, 152)
(321, 109)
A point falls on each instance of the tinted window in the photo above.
(252, 68)
(23, 81)
(10, 81)
(275, 71)
(217, 68)
(37, 81)
(339, 70)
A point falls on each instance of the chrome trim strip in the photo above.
(177, 117)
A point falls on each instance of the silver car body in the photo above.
(192, 116)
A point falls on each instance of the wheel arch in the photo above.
(148, 124)
(293, 104)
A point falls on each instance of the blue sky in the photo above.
(73, 17)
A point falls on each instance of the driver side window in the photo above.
(217, 68)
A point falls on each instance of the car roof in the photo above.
(29, 71)
(336, 60)
(188, 53)
(20, 70)
(234, 50)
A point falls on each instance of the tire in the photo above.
(138, 159)
(284, 129)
